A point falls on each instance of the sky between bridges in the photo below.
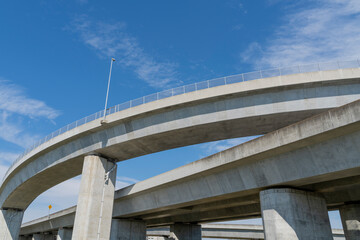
(55, 56)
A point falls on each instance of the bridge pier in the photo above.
(96, 198)
(182, 231)
(350, 218)
(128, 229)
(294, 214)
(10, 223)
(64, 234)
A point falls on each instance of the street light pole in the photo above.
(107, 92)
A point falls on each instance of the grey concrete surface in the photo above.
(232, 231)
(319, 154)
(180, 231)
(62, 219)
(95, 202)
(41, 236)
(122, 229)
(10, 222)
(64, 234)
(290, 214)
(350, 218)
(243, 109)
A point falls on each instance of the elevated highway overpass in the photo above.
(318, 157)
(235, 110)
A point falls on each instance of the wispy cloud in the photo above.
(218, 146)
(12, 131)
(122, 181)
(14, 100)
(15, 106)
(324, 30)
(112, 40)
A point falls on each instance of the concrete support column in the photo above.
(122, 229)
(350, 218)
(294, 214)
(182, 231)
(64, 234)
(10, 222)
(96, 199)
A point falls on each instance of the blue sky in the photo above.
(55, 56)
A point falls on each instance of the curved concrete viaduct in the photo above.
(320, 154)
(236, 110)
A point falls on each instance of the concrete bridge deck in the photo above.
(236, 110)
(319, 154)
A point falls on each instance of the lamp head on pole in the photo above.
(113, 59)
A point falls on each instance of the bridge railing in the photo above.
(275, 72)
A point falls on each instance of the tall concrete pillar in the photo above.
(122, 229)
(10, 222)
(350, 218)
(294, 214)
(96, 199)
(64, 234)
(182, 231)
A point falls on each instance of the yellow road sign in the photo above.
(50, 207)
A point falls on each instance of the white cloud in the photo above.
(7, 157)
(111, 40)
(122, 181)
(324, 30)
(15, 106)
(218, 146)
(12, 131)
(14, 100)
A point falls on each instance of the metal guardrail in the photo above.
(196, 87)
